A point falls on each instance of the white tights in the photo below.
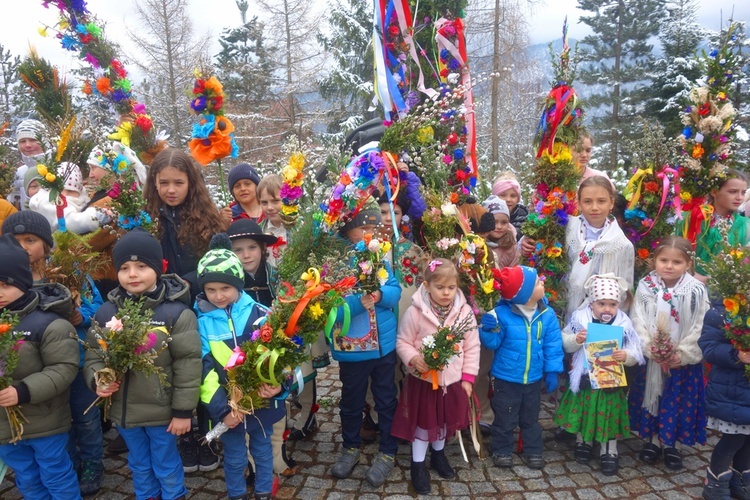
(420, 445)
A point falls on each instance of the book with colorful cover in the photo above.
(605, 372)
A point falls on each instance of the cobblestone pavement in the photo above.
(562, 478)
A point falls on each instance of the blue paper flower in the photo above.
(203, 131)
(458, 154)
(687, 132)
(70, 43)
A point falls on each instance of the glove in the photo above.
(489, 322)
(550, 380)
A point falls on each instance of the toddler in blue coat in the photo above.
(524, 333)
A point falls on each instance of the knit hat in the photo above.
(15, 269)
(495, 205)
(221, 265)
(369, 214)
(486, 223)
(28, 222)
(30, 129)
(517, 283)
(242, 171)
(30, 175)
(139, 245)
(72, 175)
(605, 287)
(245, 228)
(96, 158)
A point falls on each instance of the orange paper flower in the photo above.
(697, 151)
(643, 253)
(103, 85)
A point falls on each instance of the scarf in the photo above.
(610, 252)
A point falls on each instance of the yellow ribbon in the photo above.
(272, 355)
(313, 275)
(633, 193)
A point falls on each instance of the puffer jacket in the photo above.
(142, 401)
(361, 342)
(47, 364)
(524, 351)
(419, 321)
(728, 390)
(222, 330)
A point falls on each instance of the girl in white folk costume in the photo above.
(669, 408)
(594, 241)
(599, 415)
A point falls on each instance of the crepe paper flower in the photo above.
(204, 127)
(144, 122)
(114, 324)
(198, 104)
(118, 68)
(91, 59)
(122, 133)
(732, 306)
(103, 85)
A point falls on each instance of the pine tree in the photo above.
(678, 69)
(347, 38)
(619, 59)
(13, 101)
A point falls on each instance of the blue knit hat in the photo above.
(242, 171)
(517, 283)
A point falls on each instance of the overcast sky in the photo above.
(19, 28)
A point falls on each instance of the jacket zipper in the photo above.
(528, 346)
(125, 397)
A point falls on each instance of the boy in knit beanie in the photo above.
(227, 317)
(521, 362)
(243, 182)
(34, 234)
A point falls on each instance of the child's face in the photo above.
(502, 226)
(385, 215)
(221, 295)
(357, 234)
(442, 291)
(730, 196)
(136, 277)
(9, 294)
(250, 253)
(33, 188)
(33, 245)
(595, 203)
(69, 193)
(605, 309)
(670, 264)
(30, 147)
(244, 191)
(510, 197)
(582, 153)
(270, 205)
(537, 294)
(172, 186)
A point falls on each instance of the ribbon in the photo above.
(663, 175)
(236, 359)
(392, 196)
(700, 212)
(60, 204)
(272, 355)
(403, 16)
(552, 116)
(332, 315)
(434, 376)
(300, 380)
(633, 189)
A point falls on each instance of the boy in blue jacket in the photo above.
(525, 335)
(367, 354)
(227, 317)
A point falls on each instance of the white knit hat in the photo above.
(30, 129)
(72, 175)
(96, 157)
(496, 205)
(605, 287)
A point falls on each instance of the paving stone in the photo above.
(589, 494)
(614, 491)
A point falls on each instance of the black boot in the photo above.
(717, 488)
(440, 464)
(420, 478)
(739, 485)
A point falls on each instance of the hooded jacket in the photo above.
(47, 364)
(419, 321)
(524, 350)
(142, 400)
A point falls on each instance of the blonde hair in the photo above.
(271, 183)
(445, 270)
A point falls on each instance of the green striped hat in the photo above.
(221, 265)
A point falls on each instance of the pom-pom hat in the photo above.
(517, 283)
(221, 265)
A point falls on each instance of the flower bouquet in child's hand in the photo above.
(370, 268)
(663, 349)
(477, 276)
(128, 341)
(10, 344)
(442, 347)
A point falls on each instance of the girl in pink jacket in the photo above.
(425, 416)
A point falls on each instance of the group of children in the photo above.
(208, 289)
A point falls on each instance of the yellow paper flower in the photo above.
(382, 275)
(297, 161)
(560, 152)
(316, 311)
(122, 133)
(488, 286)
(289, 209)
(554, 252)
(732, 306)
(50, 177)
(42, 30)
(385, 246)
(289, 174)
(748, 321)
(685, 196)
(41, 169)
(425, 134)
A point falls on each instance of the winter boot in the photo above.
(717, 488)
(739, 485)
(420, 478)
(440, 464)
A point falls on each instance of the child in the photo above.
(425, 416)
(582, 157)
(31, 185)
(269, 188)
(502, 239)
(367, 353)
(34, 234)
(728, 409)
(669, 299)
(147, 415)
(599, 415)
(227, 317)
(47, 364)
(31, 137)
(78, 218)
(507, 188)
(525, 335)
(251, 246)
(243, 182)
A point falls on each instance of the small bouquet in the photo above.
(477, 276)
(662, 345)
(368, 257)
(10, 343)
(291, 189)
(128, 341)
(442, 347)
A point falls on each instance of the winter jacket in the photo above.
(6, 209)
(181, 260)
(78, 219)
(91, 301)
(517, 218)
(362, 342)
(47, 363)
(728, 390)
(142, 401)
(238, 213)
(221, 330)
(419, 321)
(412, 184)
(524, 351)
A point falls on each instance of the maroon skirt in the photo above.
(421, 406)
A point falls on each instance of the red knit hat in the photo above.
(517, 283)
